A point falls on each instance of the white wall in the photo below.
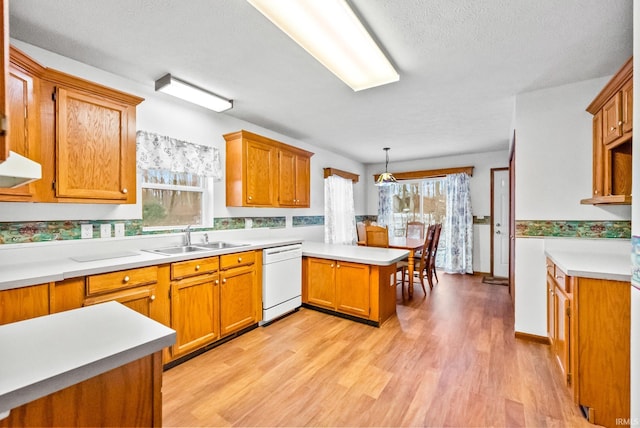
(166, 115)
(635, 231)
(480, 185)
(553, 172)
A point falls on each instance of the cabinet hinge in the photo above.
(569, 312)
(568, 378)
(169, 292)
(53, 185)
(53, 95)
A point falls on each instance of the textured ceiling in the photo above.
(461, 63)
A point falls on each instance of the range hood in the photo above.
(17, 170)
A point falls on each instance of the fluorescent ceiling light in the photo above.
(332, 34)
(181, 89)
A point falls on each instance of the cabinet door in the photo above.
(321, 289)
(352, 289)
(598, 156)
(612, 119)
(140, 299)
(194, 313)
(92, 149)
(627, 107)
(23, 303)
(66, 295)
(562, 329)
(4, 47)
(260, 174)
(286, 178)
(23, 124)
(303, 181)
(551, 310)
(238, 299)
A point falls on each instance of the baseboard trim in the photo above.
(532, 338)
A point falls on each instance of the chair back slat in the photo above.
(415, 230)
(377, 236)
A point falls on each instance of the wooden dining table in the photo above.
(411, 244)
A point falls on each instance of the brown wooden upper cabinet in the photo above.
(612, 113)
(4, 46)
(261, 172)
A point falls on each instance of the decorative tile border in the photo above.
(229, 223)
(593, 229)
(270, 222)
(309, 220)
(366, 218)
(43, 231)
(484, 220)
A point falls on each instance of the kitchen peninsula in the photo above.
(99, 365)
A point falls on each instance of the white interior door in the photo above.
(501, 223)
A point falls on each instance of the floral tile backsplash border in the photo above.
(592, 229)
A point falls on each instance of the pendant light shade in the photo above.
(386, 177)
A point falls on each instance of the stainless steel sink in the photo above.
(185, 249)
(178, 250)
(219, 245)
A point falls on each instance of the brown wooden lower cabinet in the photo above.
(127, 396)
(19, 304)
(356, 289)
(589, 331)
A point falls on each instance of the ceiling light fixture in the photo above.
(188, 92)
(332, 34)
(386, 177)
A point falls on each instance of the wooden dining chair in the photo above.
(415, 230)
(434, 251)
(362, 238)
(376, 236)
(422, 265)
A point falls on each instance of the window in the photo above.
(177, 181)
(420, 200)
(175, 199)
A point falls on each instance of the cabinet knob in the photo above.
(595, 191)
(619, 123)
(331, 265)
(250, 198)
(338, 266)
(612, 128)
(152, 297)
(126, 279)
(216, 282)
(224, 280)
(197, 267)
(125, 191)
(239, 259)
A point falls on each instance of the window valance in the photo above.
(161, 152)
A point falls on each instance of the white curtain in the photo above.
(339, 211)
(155, 151)
(458, 228)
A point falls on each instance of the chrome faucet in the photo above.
(187, 236)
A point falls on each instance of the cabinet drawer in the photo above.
(194, 267)
(229, 261)
(97, 284)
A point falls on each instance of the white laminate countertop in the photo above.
(353, 253)
(610, 266)
(46, 354)
(59, 268)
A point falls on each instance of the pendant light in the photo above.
(386, 177)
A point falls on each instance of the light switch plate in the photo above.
(86, 231)
(105, 230)
(119, 231)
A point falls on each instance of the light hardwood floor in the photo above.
(449, 359)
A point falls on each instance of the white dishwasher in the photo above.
(281, 281)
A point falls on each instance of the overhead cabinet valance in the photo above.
(261, 172)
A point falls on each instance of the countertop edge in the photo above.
(562, 259)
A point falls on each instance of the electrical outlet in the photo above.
(119, 232)
(105, 230)
(86, 231)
